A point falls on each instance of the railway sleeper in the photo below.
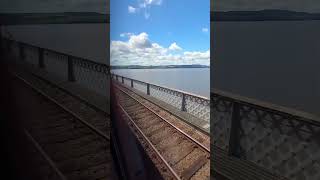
(84, 162)
(101, 171)
(72, 152)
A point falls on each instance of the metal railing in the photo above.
(195, 105)
(90, 74)
(282, 140)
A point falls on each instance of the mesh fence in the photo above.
(91, 75)
(56, 63)
(283, 143)
(194, 105)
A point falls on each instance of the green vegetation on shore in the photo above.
(159, 67)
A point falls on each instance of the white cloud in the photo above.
(125, 34)
(146, 14)
(140, 50)
(174, 47)
(145, 6)
(152, 2)
(205, 29)
(131, 9)
(140, 41)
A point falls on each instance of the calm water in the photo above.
(83, 40)
(193, 80)
(277, 62)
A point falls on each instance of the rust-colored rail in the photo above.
(151, 145)
(193, 168)
(84, 122)
(65, 163)
(172, 125)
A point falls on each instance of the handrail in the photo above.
(266, 105)
(172, 89)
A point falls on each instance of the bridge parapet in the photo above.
(90, 74)
(196, 105)
(282, 140)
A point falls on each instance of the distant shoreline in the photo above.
(53, 18)
(263, 15)
(160, 67)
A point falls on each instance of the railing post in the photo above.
(122, 80)
(117, 77)
(41, 59)
(183, 103)
(131, 83)
(70, 70)
(234, 142)
(21, 51)
(148, 89)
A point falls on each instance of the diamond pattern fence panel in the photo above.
(194, 105)
(56, 63)
(199, 107)
(31, 55)
(91, 75)
(282, 143)
(221, 111)
(169, 96)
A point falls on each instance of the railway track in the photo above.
(176, 154)
(74, 103)
(75, 148)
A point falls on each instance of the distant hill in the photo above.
(159, 67)
(263, 15)
(53, 18)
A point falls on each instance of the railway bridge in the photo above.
(140, 130)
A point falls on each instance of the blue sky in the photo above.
(160, 32)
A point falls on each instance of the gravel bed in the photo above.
(203, 173)
(176, 153)
(188, 160)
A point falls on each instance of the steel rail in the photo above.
(150, 144)
(45, 156)
(94, 129)
(172, 125)
(70, 93)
